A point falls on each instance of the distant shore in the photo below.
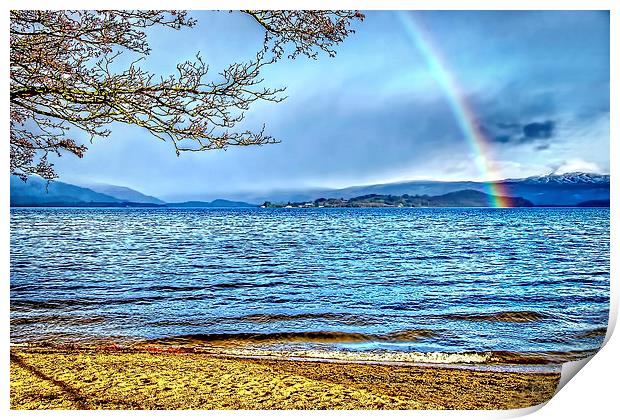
(113, 378)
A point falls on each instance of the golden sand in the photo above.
(91, 378)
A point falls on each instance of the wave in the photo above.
(539, 358)
(209, 345)
(350, 319)
(30, 304)
(507, 316)
(431, 257)
(594, 333)
(295, 336)
(500, 360)
(57, 319)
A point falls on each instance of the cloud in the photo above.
(576, 165)
(518, 133)
(373, 114)
(537, 130)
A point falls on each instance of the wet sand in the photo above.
(110, 378)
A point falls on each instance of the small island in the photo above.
(463, 198)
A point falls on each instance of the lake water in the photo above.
(381, 280)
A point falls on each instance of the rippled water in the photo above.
(415, 280)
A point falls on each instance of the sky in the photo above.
(464, 95)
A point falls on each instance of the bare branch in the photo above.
(62, 77)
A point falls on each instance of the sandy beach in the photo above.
(112, 378)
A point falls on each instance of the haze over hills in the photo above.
(215, 203)
(37, 192)
(571, 189)
(567, 189)
(124, 193)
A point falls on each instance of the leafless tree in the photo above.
(64, 75)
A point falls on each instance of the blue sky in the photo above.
(537, 84)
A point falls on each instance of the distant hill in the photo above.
(569, 189)
(214, 203)
(565, 189)
(473, 198)
(567, 178)
(594, 203)
(562, 190)
(572, 189)
(38, 192)
(464, 198)
(124, 193)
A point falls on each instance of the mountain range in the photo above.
(571, 189)
(568, 189)
(124, 193)
(37, 192)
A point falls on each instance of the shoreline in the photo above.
(44, 377)
(491, 360)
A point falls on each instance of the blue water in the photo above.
(431, 280)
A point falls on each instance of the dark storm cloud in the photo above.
(538, 130)
(520, 133)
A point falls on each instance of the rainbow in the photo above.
(462, 111)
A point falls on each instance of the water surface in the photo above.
(406, 280)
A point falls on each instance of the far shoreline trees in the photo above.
(62, 78)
